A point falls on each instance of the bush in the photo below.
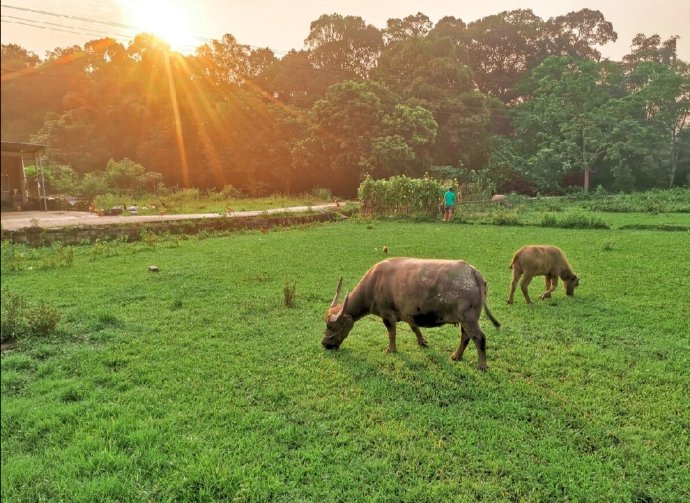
(59, 255)
(289, 293)
(322, 194)
(14, 256)
(400, 195)
(230, 192)
(21, 319)
(501, 217)
(574, 221)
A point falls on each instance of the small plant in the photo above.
(549, 220)
(20, 319)
(59, 256)
(14, 256)
(501, 217)
(42, 319)
(13, 322)
(289, 294)
(149, 238)
(322, 194)
(609, 245)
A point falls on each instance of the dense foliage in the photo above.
(525, 99)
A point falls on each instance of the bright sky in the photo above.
(41, 25)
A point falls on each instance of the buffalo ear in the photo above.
(347, 299)
(337, 292)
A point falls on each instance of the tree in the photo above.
(344, 44)
(663, 96)
(502, 49)
(396, 30)
(560, 130)
(361, 128)
(575, 34)
(430, 72)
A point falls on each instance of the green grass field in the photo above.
(197, 383)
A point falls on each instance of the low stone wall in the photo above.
(80, 234)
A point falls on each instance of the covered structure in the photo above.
(15, 157)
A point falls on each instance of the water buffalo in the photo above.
(420, 292)
(547, 261)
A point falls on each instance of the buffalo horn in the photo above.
(337, 292)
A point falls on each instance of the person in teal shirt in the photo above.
(448, 204)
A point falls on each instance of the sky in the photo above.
(282, 25)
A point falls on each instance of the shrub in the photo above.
(14, 256)
(400, 195)
(21, 319)
(13, 322)
(322, 194)
(289, 293)
(230, 192)
(574, 220)
(42, 319)
(59, 255)
(501, 217)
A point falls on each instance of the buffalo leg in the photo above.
(550, 288)
(420, 338)
(524, 284)
(516, 276)
(464, 340)
(392, 348)
(480, 342)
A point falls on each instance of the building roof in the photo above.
(21, 148)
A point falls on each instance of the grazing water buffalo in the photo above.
(420, 292)
(547, 261)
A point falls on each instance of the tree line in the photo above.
(523, 102)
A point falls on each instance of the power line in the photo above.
(114, 24)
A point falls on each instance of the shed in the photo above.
(15, 157)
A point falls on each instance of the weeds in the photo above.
(21, 319)
(289, 294)
(574, 220)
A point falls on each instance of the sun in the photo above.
(174, 21)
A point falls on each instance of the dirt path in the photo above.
(18, 220)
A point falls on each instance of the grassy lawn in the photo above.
(183, 202)
(198, 384)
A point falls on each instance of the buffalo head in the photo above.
(570, 285)
(338, 324)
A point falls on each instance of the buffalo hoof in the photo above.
(455, 357)
(423, 343)
(510, 301)
(482, 368)
(391, 350)
(544, 296)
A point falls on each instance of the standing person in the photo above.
(448, 204)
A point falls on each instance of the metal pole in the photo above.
(43, 182)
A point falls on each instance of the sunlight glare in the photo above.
(174, 21)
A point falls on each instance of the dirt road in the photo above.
(18, 220)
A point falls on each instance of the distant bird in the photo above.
(385, 250)
(153, 268)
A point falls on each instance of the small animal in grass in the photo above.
(385, 250)
(543, 260)
(153, 268)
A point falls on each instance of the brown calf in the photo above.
(547, 261)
